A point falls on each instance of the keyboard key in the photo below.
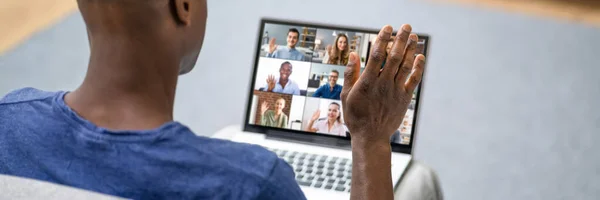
(342, 182)
(322, 159)
(321, 179)
(300, 163)
(318, 185)
(340, 175)
(334, 158)
(319, 172)
(311, 165)
(329, 174)
(320, 166)
(340, 188)
(299, 169)
(330, 181)
(330, 168)
(328, 186)
(304, 183)
(345, 160)
(340, 170)
(309, 171)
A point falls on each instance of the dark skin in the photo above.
(374, 105)
(137, 50)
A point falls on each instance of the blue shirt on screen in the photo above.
(287, 53)
(42, 138)
(326, 92)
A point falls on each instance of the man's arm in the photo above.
(371, 170)
(374, 107)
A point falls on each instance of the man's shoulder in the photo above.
(23, 95)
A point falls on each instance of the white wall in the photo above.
(297, 109)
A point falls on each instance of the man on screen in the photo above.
(283, 84)
(332, 90)
(289, 52)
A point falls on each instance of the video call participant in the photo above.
(332, 90)
(284, 84)
(339, 53)
(332, 125)
(273, 118)
(289, 52)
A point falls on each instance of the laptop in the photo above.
(294, 106)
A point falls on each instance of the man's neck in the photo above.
(283, 82)
(127, 88)
(291, 47)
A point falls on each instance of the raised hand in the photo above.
(374, 105)
(316, 115)
(270, 83)
(272, 46)
(263, 107)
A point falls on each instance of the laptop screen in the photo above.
(299, 75)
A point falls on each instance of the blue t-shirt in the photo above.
(42, 138)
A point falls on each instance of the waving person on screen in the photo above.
(338, 55)
(332, 125)
(273, 118)
(283, 84)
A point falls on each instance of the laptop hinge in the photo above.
(315, 139)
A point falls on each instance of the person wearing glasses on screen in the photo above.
(339, 53)
(284, 84)
(331, 90)
(331, 125)
(273, 118)
(289, 52)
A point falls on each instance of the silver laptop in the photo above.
(294, 106)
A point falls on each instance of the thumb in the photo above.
(352, 71)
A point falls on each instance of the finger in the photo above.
(409, 59)
(417, 74)
(396, 53)
(352, 72)
(272, 42)
(378, 53)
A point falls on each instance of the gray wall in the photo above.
(510, 104)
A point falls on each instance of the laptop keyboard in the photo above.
(319, 171)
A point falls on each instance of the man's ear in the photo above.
(182, 11)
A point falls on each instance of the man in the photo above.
(331, 90)
(115, 133)
(289, 52)
(284, 84)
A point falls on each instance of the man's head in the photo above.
(333, 77)
(173, 29)
(292, 37)
(285, 71)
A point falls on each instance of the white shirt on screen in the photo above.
(337, 128)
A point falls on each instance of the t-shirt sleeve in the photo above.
(281, 184)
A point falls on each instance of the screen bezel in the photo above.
(311, 137)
